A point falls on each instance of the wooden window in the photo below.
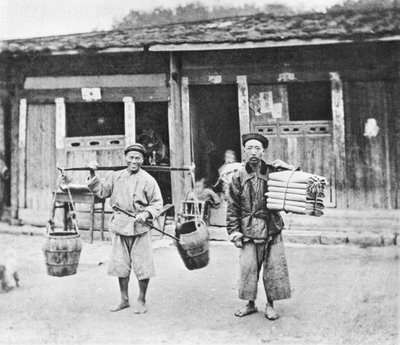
(94, 119)
(309, 101)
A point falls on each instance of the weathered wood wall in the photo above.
(369, 71)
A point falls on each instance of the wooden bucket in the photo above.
(193, 245)
(62, 251)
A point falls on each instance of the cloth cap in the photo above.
(136, 147)
(255, 136)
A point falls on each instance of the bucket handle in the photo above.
(71, 206)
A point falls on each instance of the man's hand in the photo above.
(64, 179)
(142, 217)
(93, 165)
(281, 164)
(238, 243)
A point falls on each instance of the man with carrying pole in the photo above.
(136, 192)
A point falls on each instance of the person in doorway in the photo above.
(256, 230)
(226, 172)
(206, 195)
(202, 193)
(133, 190)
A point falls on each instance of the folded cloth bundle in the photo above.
(297, 192)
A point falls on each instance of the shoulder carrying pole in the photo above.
(122, 167)
(117, 208)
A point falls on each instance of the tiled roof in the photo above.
(346, 25)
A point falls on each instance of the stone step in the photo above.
(308, 237)
(363, 238)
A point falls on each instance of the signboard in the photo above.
(91, 94)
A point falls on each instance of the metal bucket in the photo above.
(62, 251)
(193, 245)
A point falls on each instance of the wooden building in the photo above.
(324, 88)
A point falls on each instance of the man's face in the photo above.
(253, 151)
(134, 160)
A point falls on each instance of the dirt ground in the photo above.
(341, 295)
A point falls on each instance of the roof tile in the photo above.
(255, 28)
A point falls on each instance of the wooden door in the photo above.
(368, 158)
(41, 172)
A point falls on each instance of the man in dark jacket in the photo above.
(256, 230)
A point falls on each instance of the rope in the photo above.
(286, 188)
(50, 223)
(71, 205)
(196, 200)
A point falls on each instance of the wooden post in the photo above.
(243, 102)
(175, 127)
(339, 147)
(186, 129)
(130, 121)
(22, 153)
(186, 122)
(2, 131)
(61, 158)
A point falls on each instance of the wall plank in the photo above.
(393, 139)
(22, 153)
(339, 146)
(186, 128)
(40, 177)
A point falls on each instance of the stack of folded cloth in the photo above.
(297, 192)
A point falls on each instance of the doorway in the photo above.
(152, 132)
(215, 127)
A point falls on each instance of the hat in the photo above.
(255, 136)
(135, 147)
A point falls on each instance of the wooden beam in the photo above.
(262, 44)
(202, 76)
(243, 102)
(102, 51)
(130, 120)
(23, 111)
(228, 76)
(139, 94)
(61, 157)
(338, 137)
(175, 128)
(110, 81)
